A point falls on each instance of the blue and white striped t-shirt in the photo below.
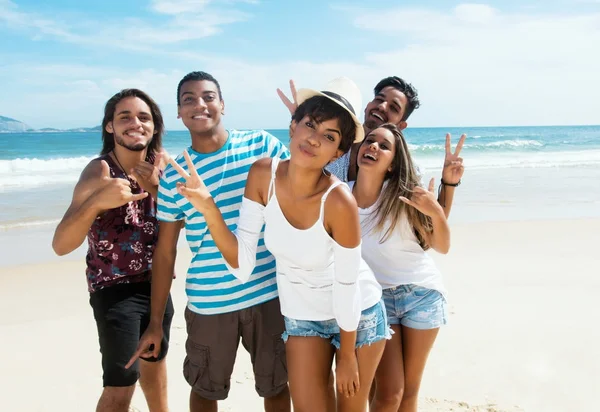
(210, 287)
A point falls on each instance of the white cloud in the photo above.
(478, 65)
(474, 65)
(178, 7)
(70, 96)
(175, 7)
(475, 13)
(183, 21)
(12, 17)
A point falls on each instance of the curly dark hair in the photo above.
(408, 89)
(197, 77)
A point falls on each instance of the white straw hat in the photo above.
(344, 92)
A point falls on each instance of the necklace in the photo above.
(132, 183)
(119, 163)
(122, 168)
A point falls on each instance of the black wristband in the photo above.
(451, 184)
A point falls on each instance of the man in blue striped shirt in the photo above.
(220, 309)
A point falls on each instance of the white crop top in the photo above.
(400, 260)
(317, 278)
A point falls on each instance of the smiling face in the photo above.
(377, 152)
(313, 144)
(388, 106)
(200, 107)
(132, 125)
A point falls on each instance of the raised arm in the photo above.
(239, 248)
(451, 173)
(291, 105)
(94, 193)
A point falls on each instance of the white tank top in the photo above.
(400, 260)
(310, 287)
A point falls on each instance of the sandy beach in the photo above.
(521, 334)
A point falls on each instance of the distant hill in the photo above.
(8, 125)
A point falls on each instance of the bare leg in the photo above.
(416, 346)
(331, 400)
(199, 404)
(279, 403)
(115, 399)
(368, 359)
(309, 366)
(390, 376)
(153, 380)
(373, 390)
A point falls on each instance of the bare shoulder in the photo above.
(92, 170)
(258, 180)
(261, 166)
(89, 181)
(260, 171)
(341, 216)
(341, 200)
(91, 174)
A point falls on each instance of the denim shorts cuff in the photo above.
(305, 334)
(424, 325)
(376, 338)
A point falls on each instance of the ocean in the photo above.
(512, 173)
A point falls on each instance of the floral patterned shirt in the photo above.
(121, 241)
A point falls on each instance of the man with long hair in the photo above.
(114, 206)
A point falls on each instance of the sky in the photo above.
(494, 63)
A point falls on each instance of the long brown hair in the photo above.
(401, 181)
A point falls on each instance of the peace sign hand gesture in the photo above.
(453, 164)
(425, 201)
(292, 106)
(194, 189)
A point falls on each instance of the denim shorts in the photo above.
(372, 327)
(415, 307)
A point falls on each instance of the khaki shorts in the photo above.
(212, 345)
